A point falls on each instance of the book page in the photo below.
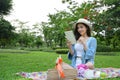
(70, 36)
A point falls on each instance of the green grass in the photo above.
(34, 61)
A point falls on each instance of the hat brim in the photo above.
(84, 21)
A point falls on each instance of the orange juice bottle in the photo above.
(60, 59)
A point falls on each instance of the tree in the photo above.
(6, 32)
(38, 41)
(109, 21)
(47, 33)
(113, 20)
(59, 23)
(63, 20)
(5, 7)
(6, 29)
(28, 37)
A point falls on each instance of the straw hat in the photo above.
(85, 21)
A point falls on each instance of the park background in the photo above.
(35, 49)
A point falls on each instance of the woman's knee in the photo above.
(90, 65)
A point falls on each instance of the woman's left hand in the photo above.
(83, 41)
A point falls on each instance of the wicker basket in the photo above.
(70, 73)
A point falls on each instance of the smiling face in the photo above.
(82, 29)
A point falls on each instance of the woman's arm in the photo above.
(71, 51)
(70, 55)
(91, 48)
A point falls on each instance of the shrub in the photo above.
(45, 49)
(108, 53)
(12, 51)
(54, 48)
(103, 48)
(115, 49)
(61, 51)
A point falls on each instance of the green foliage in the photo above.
(54, 48)
(6, 32)
(63, 20)
(26, 37)
(6, 29)
(109, 21)
(44, 49)
(61, 51)
(103, 20)
(114, 8)
(58, 23)
(103, 48)
(38, 41)
(5, 7)
(108, 53)
(53, 30)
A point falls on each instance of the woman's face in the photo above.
(81, 29)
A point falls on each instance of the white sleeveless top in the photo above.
(79, 50)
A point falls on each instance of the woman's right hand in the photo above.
(69, 44)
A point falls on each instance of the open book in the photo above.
(70, 36)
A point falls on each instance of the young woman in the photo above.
(83, 52)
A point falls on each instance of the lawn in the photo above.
(13, 61)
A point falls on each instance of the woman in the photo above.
(83, 52)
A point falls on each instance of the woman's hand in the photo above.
(69, 44)
(83, 41)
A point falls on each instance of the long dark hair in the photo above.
(77, 34)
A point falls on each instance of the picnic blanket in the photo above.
(97, 73)
(34, 75)
(82, 72)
